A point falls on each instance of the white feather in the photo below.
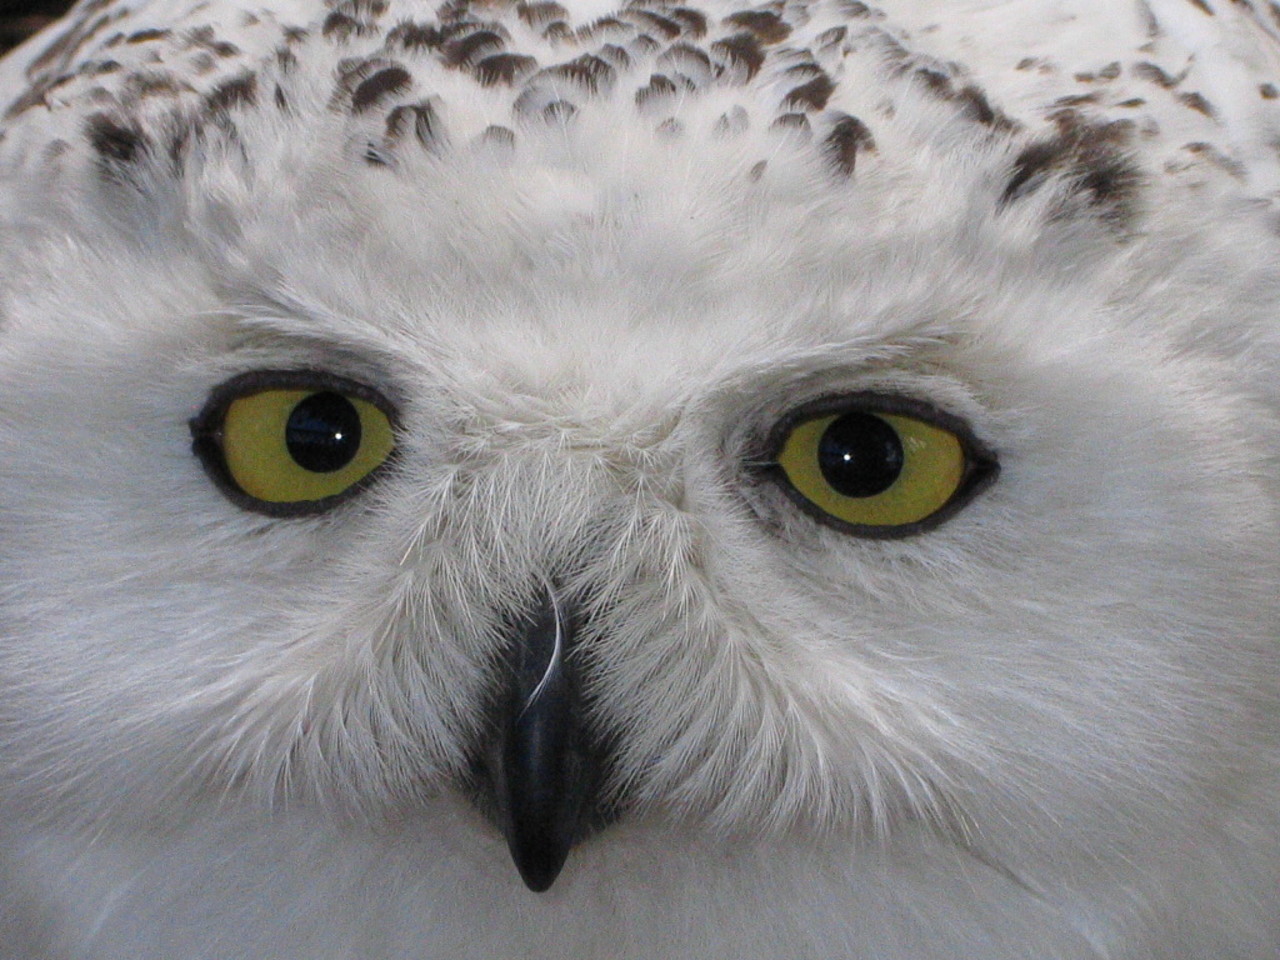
(1046, 729)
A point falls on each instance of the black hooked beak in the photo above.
(542, 767)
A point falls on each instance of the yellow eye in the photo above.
(881, 473)
(292, 442)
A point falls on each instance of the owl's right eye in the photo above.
(295, 442)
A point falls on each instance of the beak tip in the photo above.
(539, 866)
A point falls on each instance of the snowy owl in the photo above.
(581, 479)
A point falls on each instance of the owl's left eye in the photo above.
(293, 442)
(878, 466)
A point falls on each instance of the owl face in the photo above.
(631, 482)
(890, 518)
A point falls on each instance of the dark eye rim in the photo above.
(206, 434)
(981, 469)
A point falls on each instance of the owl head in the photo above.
(798, 448)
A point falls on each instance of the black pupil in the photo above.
(323, 432)
(860, 455)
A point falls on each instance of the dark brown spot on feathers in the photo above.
(143, 36)
(539, 14)
(559, 111)
(1202, 6)
(142, 85)
(687, 59)
(1156, 74)
(202, 63)
(238, 91)
(810, 96)
(1217, 157)
(353, 71)
(338, 26)
(465, 51)
(502, 137)
(831, 37)
(659, 87)
(976, 106)
(848, 136)
(1197, 102)
(419, 119)
(363, 12)
(1076, 100)
(454, 11)
(413, 36)
(804, 71)
(587, 71)
(1093, 158)
(604, 26)
(796, 122)
(765, 26)
(461, 28)
(1268, 91)
(936, 82)
(643, 44)
(504, 68)
(973, 103)
(206, 38)
(890, 49)
(656, 22)
(116, 142)
(742, 51)
(692, 22)
(1132, 102)
(615, 55)
(385, 83)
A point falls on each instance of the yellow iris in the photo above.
(873, 469)
(293, 446)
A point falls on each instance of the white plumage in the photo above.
(593, 272)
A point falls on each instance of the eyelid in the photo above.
(303, 378)
(872, 401)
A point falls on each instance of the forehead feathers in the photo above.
(443, 150)
(590, 105)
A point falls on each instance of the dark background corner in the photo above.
(21, 18)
